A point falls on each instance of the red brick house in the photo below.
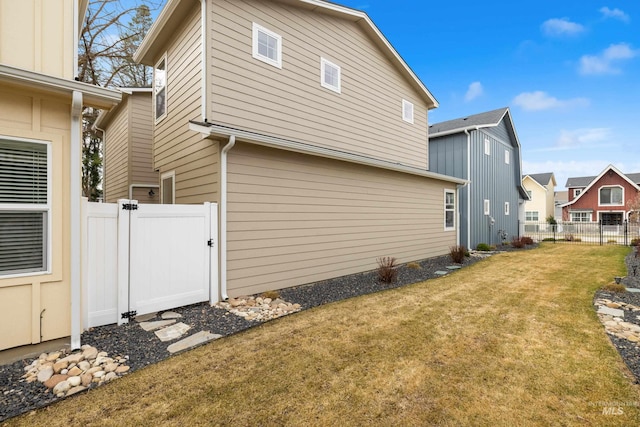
(607, 197)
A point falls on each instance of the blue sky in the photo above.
(569, 71)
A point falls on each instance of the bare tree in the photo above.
(633, 206)
(111, 33)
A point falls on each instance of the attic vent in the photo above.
(465, 118)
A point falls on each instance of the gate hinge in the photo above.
(129, 206)
(129, 314)
(210, 243)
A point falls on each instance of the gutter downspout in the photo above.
(223, 217)
(75, 217)
(468, 188)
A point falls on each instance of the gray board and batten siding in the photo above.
(491, 177)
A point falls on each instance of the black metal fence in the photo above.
(588, 233)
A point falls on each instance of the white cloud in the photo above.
(562, 170)
(605, 62)
(539, 100)
(474, 91)
(561, 27)
(583, 137)
(614, 13)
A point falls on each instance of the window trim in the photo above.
(506, 208)
(577, 192)
(487, 146)
(408, 111)
(527, 215)
(581, 213)
(487, 207)
(323, 65)
(28, 207)
(255, 50)
(507, 157)
(610, 187)
(168, 175)
(453, 210)
(157, 118)
(530, 194)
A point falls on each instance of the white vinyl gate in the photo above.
(141, 259)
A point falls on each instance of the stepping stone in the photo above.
(611, 311)
(453, 267)
(171, 315)
(192, 341)
(172, 332)
(633, 290)
(441, 273)
(145, 317)
(152, 326)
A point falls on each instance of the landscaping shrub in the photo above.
(457, 253)
(387, 269)
(517, 243)
(635, 241)
(548, 239)
(271, 294)
(527, 240)
(483, 247)
(414, 266)
(614, 287)
(569, 238)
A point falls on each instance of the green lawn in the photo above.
(510, 341)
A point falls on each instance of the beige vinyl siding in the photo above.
(116, 156)
(365, 118)
(140, 133)
(295, 219)
(176, 148)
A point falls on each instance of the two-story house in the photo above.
(607, 197)
(483, 149)
(40, 169)
(307, 127)
(540, 188)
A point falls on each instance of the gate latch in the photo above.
(129, 206)
(129, 314)
(210, 243)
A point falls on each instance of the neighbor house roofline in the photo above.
(105, 116)
(170, 18)
(535, 182)
(93, 96)
(597, 178)
(214, 130)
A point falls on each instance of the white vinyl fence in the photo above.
(140, 259)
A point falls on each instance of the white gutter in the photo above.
(469, 180)
(223, 217)
(204, 56)
(132, 186)
(75, 171)
(213, 130)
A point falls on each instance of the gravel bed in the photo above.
(629, 351)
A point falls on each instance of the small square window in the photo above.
(267, 46)
(487, 146)
(507, 157)
(487, 207)
(330, 75)
(407, 111)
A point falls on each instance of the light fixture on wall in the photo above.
(151, 193)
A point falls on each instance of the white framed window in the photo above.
(580, 216)
(487, 146)
(506, 208)
(531, 216)
(577, 192)
(507, 157)
(267, 46)
(160, 88)
(611, 196)
(407, 111)
(487, 207)
(449, 210)
(330, 75)
(168, 188)
(25, 206)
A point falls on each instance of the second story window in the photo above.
(487, 146)
(267, 46)
(576, 193)
(407, 111)
(160, 88)
(507, 157)
(610, 196)
(330, 75)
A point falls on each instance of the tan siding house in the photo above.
(541, 190)
(128, 147)
(307, 128)
(40, 139)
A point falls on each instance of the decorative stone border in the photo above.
(259, 309)
(611, 315)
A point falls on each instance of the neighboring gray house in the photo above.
(483, 148)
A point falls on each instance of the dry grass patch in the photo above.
(512, 340)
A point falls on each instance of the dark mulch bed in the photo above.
(629, 351)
